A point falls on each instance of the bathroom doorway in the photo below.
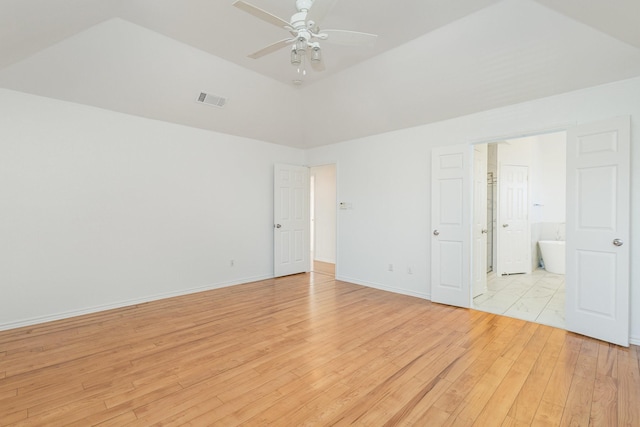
(529, 292)
(323, 207)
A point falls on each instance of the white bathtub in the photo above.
(553, 255)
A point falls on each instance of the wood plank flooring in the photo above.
(324, 268)
(309, 350)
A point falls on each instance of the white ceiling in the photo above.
(434, 59)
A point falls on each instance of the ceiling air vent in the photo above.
(207, 98)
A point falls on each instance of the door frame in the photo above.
(563, 127)
(560, 128)
(479, 230)
(337, 209)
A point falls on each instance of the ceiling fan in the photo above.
(305, 32)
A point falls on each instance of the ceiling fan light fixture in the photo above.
(296, 58)
(304, 27)
(301, 43)
(316, 54)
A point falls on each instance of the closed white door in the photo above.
(291, 220)
(597, 268)
(479, 263)
(513, 220)
(451, 225)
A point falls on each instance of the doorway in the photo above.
(323, 208)
(597, 227)
(525, 202)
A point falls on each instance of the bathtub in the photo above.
(553, 255)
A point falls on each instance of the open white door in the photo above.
(291, 220)
(597, 274)
(451, 225)
(479, 263)
(514, 237)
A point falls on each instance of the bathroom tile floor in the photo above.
(537, 297)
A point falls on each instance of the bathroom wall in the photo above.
(548, 190)
(545, 155)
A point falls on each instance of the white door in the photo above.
(597, 272)
(479, 263)
(291, 219)
(451, 225)
(514, 240)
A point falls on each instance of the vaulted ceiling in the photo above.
(434, 59)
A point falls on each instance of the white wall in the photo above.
(325, 213)
(100, 209)
(548, 190)
(549, 172)
(385, 181)
(387, 178)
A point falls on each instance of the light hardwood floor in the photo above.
(324, 268)
(308, 350)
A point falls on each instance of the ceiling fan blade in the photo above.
(271, 48)
(261, 14)
(350, 38)
(319, 10)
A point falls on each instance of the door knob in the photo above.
(505, 225)
(436, 233)
(278, 226)
(484, 231)
(617, 242)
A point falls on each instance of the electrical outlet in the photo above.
(409, 270)
(390, 267)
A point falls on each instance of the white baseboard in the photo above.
(382, 287)
(634, 340)
(120, 304)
